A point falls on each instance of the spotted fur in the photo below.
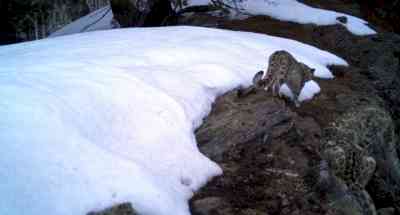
(284, 68)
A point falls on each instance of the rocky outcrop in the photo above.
(269, 155)
(281, 160)
(277, 161)
(360, 147)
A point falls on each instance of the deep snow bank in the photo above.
(89, 120)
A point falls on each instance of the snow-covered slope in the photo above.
(100, 19)
(93, 119)
(294, 11)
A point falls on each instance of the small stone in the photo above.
(253, 212)
(386, 211)
(209, 206)
(336, 158)
(368, 165)
(267, 138)
(342, 19)
(285, 202)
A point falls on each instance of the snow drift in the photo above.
(90, 120)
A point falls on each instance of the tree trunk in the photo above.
(36, 28)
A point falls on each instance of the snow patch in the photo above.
(310, 89)
(294, 11)
(198, 2)
(286, 91)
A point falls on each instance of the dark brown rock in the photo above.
(121, 209)
(211, 205)
(342, 19)
(386, 211)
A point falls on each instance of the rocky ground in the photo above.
(337, 154)
(334, 155)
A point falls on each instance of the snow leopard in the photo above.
(283, 68)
